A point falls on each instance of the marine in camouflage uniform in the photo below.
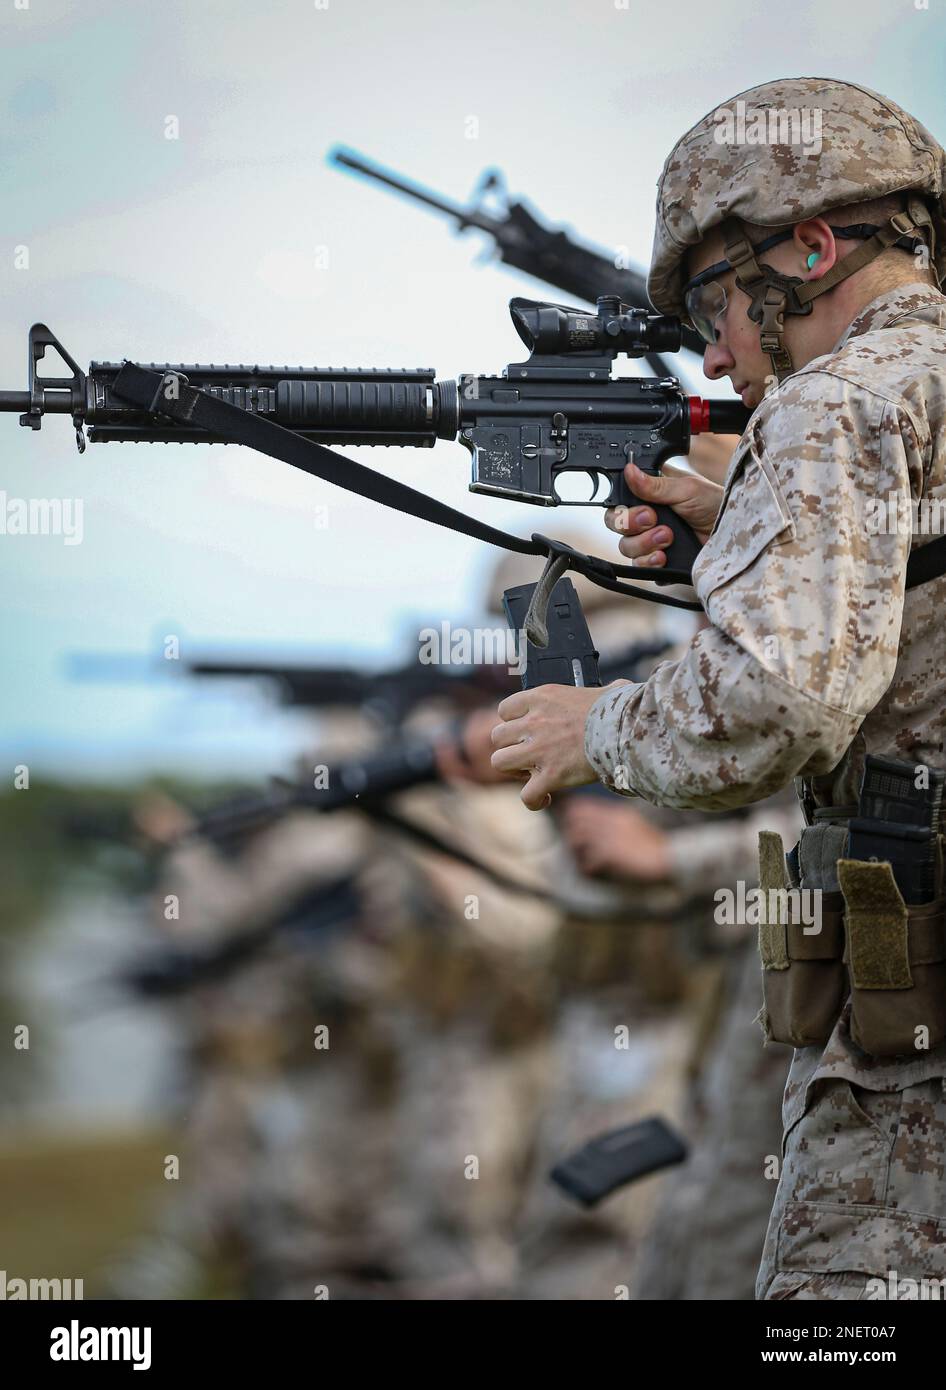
(477, 1000)
(350, 1168)
(644, 953)
(816, 654)
(268, 1195)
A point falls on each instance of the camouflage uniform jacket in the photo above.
(815, 653)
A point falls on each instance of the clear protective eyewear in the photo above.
(705, 304)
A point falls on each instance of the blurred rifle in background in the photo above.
(389, 695)
(523, 241)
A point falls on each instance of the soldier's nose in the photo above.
(717, 359)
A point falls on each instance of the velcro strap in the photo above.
(876, 923)
(176, 398)
(773, 936)
(819, 849)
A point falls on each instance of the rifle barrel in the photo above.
(348, 159)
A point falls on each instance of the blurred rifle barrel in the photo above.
(528, 244)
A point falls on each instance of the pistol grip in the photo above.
(684, 548)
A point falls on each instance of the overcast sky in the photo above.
(237, 242)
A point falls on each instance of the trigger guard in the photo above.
(594, 478)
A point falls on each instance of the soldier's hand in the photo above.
(543, 738)
(611, 838)
(693, 498)
(711, 454)
(160, 819)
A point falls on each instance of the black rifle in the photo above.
(391, 694)
(361, 782)
(170, 971)
(366, 785)
(527, 244)
(395, 692)
(559, 411)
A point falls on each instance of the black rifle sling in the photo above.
(428, 839)
(929, 562)
(170, 395)
(382, 813)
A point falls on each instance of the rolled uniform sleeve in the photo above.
(804, 593)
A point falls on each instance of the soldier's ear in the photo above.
(814, 241)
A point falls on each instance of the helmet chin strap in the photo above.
(774, 295)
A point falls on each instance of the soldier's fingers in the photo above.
(629, 520)
(505, 735)
(512, 759)
(692, 497)
(535, 794)
(644, 541)
(671, 486)
(514, 705)
(644, 552)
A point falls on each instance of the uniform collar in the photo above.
(905, 302)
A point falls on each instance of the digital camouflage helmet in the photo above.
(755, 159)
